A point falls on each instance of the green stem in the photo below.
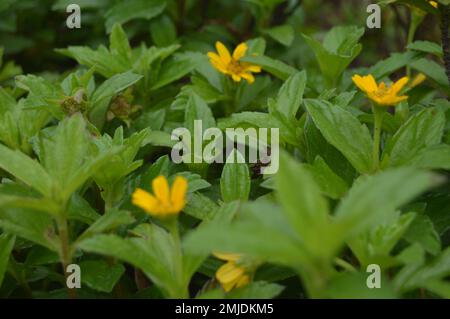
(416, 20)
(172, 225)
(377, 121)
(316, 279)
(65, 253)
(230, 91)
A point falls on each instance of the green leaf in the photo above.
(258, 221)
(104, 62)
(283, 34)
(235, 179)
(118, 41)
(433, 157)
(62, 150)
(152, 250)
(344, 131)
(163, 31)
(100, 275)
(330, 184)
(200, 206)
(427, 47)
(305, 207)
(433, 71)
(25, 169)
(422, 231)
(339, 49)
(31, 225)
(437, 269)
(80, 210)
(362, 207)
(422, 130)
(6, 247)
(257, 290)
(125, 11)
(393, 63)
(375, 245)
(175, 68)
(354, 286)
(290, 95)
(111, 220)
(197, 109)
(274, 67)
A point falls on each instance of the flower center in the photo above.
(383, 90)
(235, 67)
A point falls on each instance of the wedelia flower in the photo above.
(230, 65)
(165, 201)
(381, 94)
(231, 275)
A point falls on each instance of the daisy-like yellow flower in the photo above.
(381, 94)
(165, 201)
(231, 275)
(433, 3)
(230, 65)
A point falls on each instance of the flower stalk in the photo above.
(378, 113)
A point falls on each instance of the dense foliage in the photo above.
(87, 177)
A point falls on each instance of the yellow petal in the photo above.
(214, 56)
(371, 84)
(227, 257)
(365, 83)
(418, 79)
(161, 189)
(178, 193)
(229, 274)
(144, 200)
(434, 4)
(240, 51)
(248, 76)
(397, 99)
(242, 281)
(219, 67)
(252, 68)
(398, 86)
(223, 52)
(236, 78)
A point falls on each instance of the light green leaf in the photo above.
(374, 197)
(422, 130)
(235, 179)
(100, 275)
(6, 247)
(344, 131)
(25, 169)
(125, 11)
(274, 67)
(283, 34)
(290, 95)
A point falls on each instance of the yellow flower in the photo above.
(231, 275)
(382, 94)
(165, 202)
(433, 3)
(230, 65)
(418, 79)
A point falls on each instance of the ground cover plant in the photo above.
(94, 204)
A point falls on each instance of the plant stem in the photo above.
(378, 113)
(65, 254)
(416, 20)
(444, 36)
(172, 224)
